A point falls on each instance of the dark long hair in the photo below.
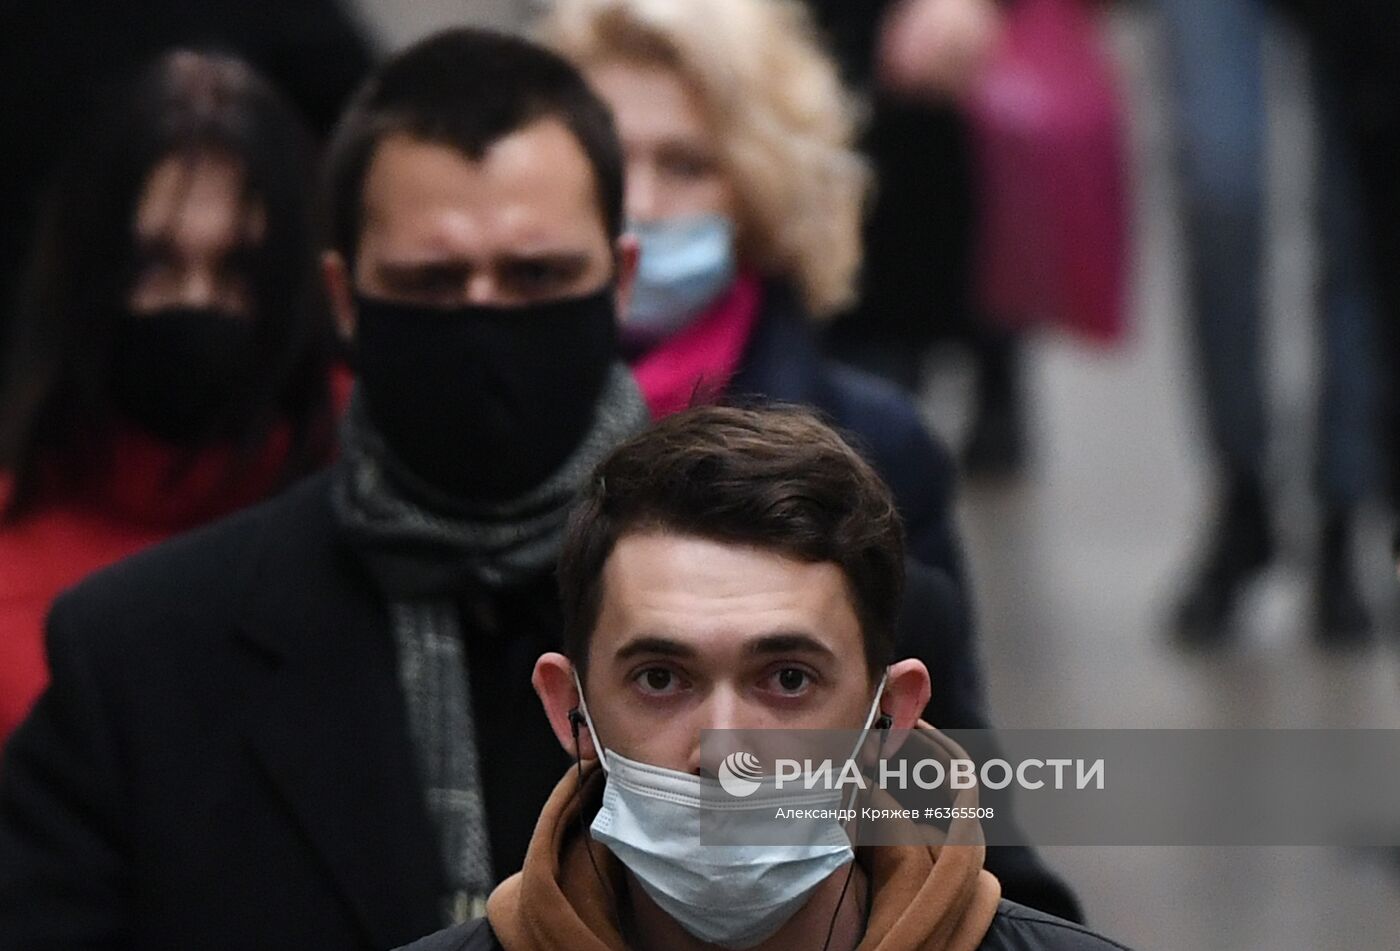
(55, 402)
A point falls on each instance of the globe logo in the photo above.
(739, 774)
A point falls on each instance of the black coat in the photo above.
(222, 758)
(1015, 928)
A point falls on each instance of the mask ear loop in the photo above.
(576, 719)
(883, 725)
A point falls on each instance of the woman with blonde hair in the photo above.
(746, 194)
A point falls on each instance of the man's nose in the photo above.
(482, 290)
(722, 710)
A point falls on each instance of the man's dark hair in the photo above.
(466, 89)
(775, 478)
(56, 404)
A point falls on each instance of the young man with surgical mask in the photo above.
(731, 569)
(312, 725)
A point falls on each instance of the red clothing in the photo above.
(342, 383)
(699, 361)
(151, 492)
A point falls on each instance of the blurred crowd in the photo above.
(307, 350)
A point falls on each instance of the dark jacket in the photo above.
(1015, 928)
(784, 362)
(222, 758)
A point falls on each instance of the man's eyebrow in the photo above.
(654, 645)
(555, 258)
(778, 642)
(789, 642)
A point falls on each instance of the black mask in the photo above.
(175, 371)
(484, 403)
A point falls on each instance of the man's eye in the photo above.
(536, 276)
(792, 680)
(425, 283)
(658, 680)
(439, 282)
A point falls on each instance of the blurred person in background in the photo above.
(60, 59)
(311, 724)
(170, 358)
(914, 60)
(1216, 53)
(745, 196)
(1357, 45)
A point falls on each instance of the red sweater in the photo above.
(71, 531)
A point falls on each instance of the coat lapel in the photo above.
(325, 719)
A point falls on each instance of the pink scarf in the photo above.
(697, 363)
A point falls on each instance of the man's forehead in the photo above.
(689, 588)
(659, 553)
(532, 192)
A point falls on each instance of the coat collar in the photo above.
(782, 362)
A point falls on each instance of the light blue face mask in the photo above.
(735, 896)
(686, 264)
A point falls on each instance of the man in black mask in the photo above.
(312, 725)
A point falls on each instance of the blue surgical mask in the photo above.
(686, 264)
(734, 896)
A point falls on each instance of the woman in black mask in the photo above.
(171, 351)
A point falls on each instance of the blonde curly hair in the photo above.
(784, 125)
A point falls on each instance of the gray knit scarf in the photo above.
(425, 553)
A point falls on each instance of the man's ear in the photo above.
(554, 682)
(335, 274)
(628, 252)
(906, 693)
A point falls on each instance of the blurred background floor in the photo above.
(1076, 565)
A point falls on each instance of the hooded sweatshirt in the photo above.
(934, 897)
(928, 897)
